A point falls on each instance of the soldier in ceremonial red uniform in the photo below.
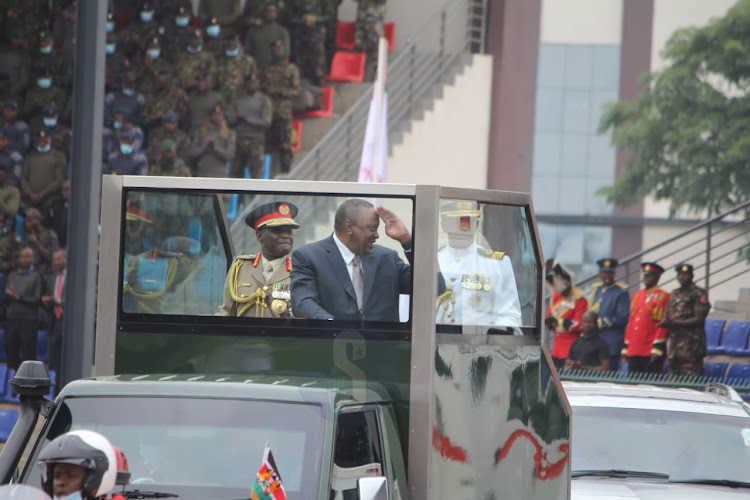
(645, 340)
(565, 311)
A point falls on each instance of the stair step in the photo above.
(729, 316)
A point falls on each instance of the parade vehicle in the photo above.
(428, 405)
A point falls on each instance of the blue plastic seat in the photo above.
(715, 369)
(735, 338)
(3, 353)
(714, 329)
(739, 373)
(41, 345)
(7, 421)
(53, 376)
(8, 396)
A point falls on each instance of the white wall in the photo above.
(581, 21)
(449, 146)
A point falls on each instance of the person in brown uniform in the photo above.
(258, 285)
(685, 318)
(43, 174)
(23, 294)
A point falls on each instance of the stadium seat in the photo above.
(347, 67)
(739, 373)
(326, 110)
(345, 35)
(715, 369)
(735, 338)
(266, 166)
(7, 396)
(41, 345)
(714, 329)
(389, 32)
(297, 131)
(7, 421)
(53, 376)
(3, 354)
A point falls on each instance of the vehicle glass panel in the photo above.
(357, 452)
(177, 249)
(205, 448)
(683, 445)
(488, 261)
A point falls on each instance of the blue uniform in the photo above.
(613, 306)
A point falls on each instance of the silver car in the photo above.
(647, 442)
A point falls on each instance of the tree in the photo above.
(688, 133)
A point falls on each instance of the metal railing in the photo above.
(457, 28)
(718, 249)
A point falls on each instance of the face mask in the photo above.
(182, 21)
(232, 53)
(47, 49)
(110, 26)
(126, 149)
(44, 149)
(72, 496)
(128, 92)
(44, 83)
(50, 122)
(147, 16)
(154, 53)
(213, 30)
(110, 47)
(194, 50)
(117, 125)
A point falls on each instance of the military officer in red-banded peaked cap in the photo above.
(257, 285)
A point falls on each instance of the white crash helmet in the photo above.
(87, 449)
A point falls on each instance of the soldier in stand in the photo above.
(565, 312)
(612, 302)
(480, 285)
(258, 285)
(685, 319)
(645, 342)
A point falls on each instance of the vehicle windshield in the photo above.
(682, 445)
(202, 448)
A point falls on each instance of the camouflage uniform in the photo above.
(257, 110)
(231, 73)
(147, 71)
(62, 74)
(190, 65)
(169, 99)
(159, 135)
(200, 106)
(176, 40)
(133, 41)
(227, 12)
(686, 346)
(369, 25)
(10, 201)
(31, 16)
(258, 43)
(214, 44)
(176, 169)
(331, 14)
(308, 40)
(281, 82)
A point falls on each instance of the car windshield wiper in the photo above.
(619, 473)
(138, 494)
(730, 483)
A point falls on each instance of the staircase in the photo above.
(733, 309)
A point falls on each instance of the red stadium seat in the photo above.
(296, 136)
(389, 32)
(347, 67)
(326, 110)
(345, 35)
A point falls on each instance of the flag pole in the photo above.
(379, 93)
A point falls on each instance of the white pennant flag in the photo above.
(374, 164)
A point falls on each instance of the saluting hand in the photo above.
(394, 226)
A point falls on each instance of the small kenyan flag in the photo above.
(267, 484)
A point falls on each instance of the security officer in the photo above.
(127, 161)
(685, 319)
(565, 311)
(612, 302)
(480, 285)
(258, 285)
(645, 341)
(233, 67)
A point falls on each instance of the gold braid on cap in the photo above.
(445, 301)
(259, 296)
(149, 296)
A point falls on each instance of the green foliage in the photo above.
(688, 133)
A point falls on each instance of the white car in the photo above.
(648, 442)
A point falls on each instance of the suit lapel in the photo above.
(339, 267)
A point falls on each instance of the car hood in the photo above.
(621, 489)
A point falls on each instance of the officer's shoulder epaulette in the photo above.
(622, 285)
(249, 256)
(489, 253)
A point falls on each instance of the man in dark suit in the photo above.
(346, 276)
(54, 299)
